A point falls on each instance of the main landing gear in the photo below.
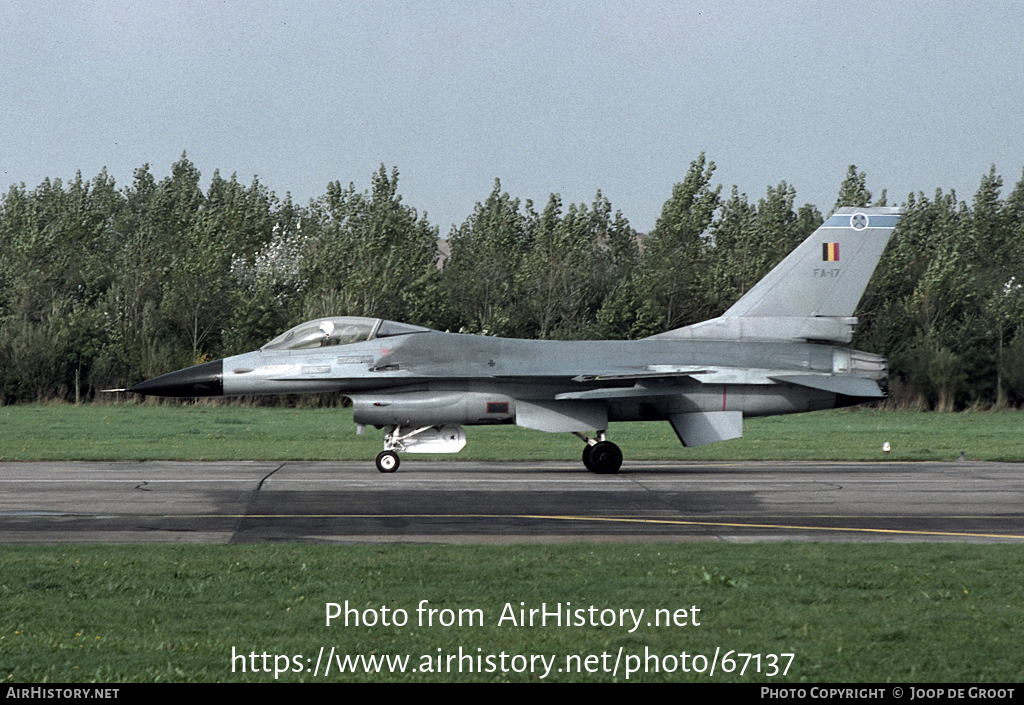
(601, 456)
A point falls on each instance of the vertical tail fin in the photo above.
(813, 292)
(825, 275)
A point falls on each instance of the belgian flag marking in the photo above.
(830, 252)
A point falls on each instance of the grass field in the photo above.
(205, 432)
(847, 612)
(900, 613)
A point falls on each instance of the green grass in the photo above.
(205, 432)
(849, 613)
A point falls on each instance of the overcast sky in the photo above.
(550, 97)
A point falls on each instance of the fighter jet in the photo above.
(771, 353)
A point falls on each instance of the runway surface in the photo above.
(462, 502)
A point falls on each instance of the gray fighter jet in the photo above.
(770, 353)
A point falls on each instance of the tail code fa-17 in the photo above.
(757, 359)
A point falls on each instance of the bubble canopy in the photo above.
(339, 330)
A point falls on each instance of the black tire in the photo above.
(605, 458)
(587, 450)
(387, 461)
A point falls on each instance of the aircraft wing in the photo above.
(647, 382)
(647, 372)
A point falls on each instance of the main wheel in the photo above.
(587, 451)
(605, 458)
(387, 461)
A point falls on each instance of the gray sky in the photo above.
(551, 97)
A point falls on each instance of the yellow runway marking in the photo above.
(734, 525)
(627, 520)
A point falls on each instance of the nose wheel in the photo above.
(387, 461)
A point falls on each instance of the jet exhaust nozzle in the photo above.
(206, 380)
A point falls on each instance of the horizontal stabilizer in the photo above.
(699, 428)
(837, 384)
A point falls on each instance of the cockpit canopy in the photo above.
(339, 330)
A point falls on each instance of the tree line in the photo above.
(103, 286)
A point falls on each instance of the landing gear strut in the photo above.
(449, 438)
(601, 456)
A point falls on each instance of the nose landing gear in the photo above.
(387, 461)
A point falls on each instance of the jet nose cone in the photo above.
(206, 380)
